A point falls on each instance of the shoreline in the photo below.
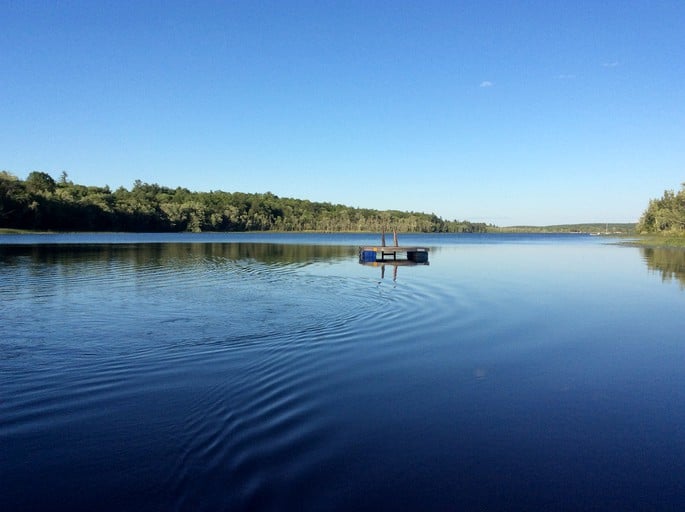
(653, 241)
(656, 241)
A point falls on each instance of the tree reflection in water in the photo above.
(669, 261)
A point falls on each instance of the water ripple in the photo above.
(239, 357)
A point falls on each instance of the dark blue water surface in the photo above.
(274, 372)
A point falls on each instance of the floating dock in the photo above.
(373, 254)
(369, 254)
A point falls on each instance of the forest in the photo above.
(665, 215)
(42, 203)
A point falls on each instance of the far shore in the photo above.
(672, 241)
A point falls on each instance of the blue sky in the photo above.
(528, 112)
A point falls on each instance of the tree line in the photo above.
(42, 203)
(665, 215)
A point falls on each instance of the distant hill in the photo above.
(610, 228)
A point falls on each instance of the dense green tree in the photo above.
(13, 199)
(40, 182)
(665, 215)
(41, 203)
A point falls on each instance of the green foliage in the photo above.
(15, 201)
(41, 203)
(665, 215)
(40, 182)
(672, 241)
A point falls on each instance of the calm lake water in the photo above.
(275, 372)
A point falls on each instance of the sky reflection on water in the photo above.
(517, 373)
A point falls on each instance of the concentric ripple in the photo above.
(209, 375)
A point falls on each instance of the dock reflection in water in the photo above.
(393, 264)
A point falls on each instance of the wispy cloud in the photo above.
(612, 64)
(486, 83)
(566, 76)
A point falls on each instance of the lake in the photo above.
(275, 372)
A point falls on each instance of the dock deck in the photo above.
(384, 253)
